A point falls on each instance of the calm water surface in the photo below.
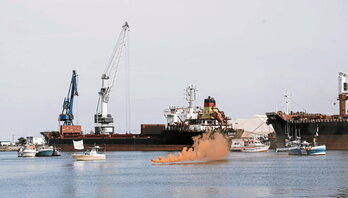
(131, 174)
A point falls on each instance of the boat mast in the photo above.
(287, 104)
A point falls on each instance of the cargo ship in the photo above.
(331, 130)
(183, 123)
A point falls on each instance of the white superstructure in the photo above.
(180, 115)
(195, 118)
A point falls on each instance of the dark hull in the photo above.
(332, 132)
(166, 141)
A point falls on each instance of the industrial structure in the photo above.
(102, 118)
(66, 118)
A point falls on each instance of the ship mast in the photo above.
(342, 93)
(287, 101)
(190, 95)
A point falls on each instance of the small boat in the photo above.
(44, 151)
(56, 151)
(248, 145)
(289, 146)
(237, 145)
(27, 151)
(304, 148)
(91, 155)
(316, 150)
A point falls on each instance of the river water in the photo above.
(131, 174)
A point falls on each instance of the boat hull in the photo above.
(27, 154)
(45, 153)
(316, 150)
(297, 151)
(256, 149)
(83, 157)
(166, 141)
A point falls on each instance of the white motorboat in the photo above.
(248, 145)
(88, 155)
(44, 151)
(27, 151)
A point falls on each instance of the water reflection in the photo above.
(341, 193)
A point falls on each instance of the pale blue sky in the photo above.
(243, 53)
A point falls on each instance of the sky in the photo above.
(245, 53)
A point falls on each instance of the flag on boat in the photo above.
(78, 145)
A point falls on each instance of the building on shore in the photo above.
(6, 143)
(35, 140)
(255, 126)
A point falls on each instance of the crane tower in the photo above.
(102, 118)
(66, 117)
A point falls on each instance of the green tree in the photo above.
(21, 141)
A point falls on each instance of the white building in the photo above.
(5, 143)
(35, 140)
(254, 126)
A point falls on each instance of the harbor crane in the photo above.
(102, 119)
(67, 116)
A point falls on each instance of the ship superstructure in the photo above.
(195, 118)
(331, 130)
(179, 116)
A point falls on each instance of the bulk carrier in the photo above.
(183, 123)
(331, 130)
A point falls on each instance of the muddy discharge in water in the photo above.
(208, 147)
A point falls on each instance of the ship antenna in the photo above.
(190, 95)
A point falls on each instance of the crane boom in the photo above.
(102, 118)
(67, 113)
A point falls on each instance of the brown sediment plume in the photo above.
(210, 146)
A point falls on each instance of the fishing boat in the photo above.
(316, 150)
(91, 155)
(45, 151)
(290, 145)
(248, 145)
(27, 151)
(304, 148)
